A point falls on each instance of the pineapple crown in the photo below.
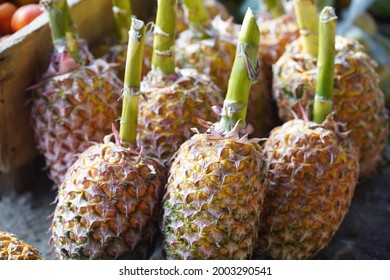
(62, 61)
(329, 123)
(139, 151)
(237, 133)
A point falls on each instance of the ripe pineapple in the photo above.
(109, 202)
(214, 9)
(279, 28)
(114, 49)
(76, 103)
(175, 98)
(12, 248)
(312, 173)
(207, 46)
(172, 109)
(216, 183)
(210, 47)
(313, 169)
(358, 99)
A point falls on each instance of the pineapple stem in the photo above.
(122, 15)
(132, 82)
(199, 19)
(63, 31)
(274, 7)
(163, 57)
(323, 101)
(307, 18)
(245, 70)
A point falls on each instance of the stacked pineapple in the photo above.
(108, 205)
(210, 47)
(216, 183)
(358, 99)
(174, 98)
(278, 29)
(113, 49)
(313, 169)
(207, 46)
(214, 9)
(12, 248)
(76, 102)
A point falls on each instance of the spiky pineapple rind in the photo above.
(108, 205)
(172, 109)
(312, 173)
(212, 204)
(12, 248)
(71, 111)
(358, 99)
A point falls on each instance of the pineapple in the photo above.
(358, 99)
(76, 103)
(279, 28)
(176, 98)
(214, 9)
(114, 49)
(313, 169)
(207, 46)
(12, 248)
(109, 202)
(210, 47)
(216, 184)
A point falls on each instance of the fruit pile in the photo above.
(164, 146)
(16, 14)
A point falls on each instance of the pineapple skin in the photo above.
(12, 248)
(108, 205)
(173, 106)
(275, 35)
(312, 173)
(72, 111)
(116, 53)
(214, 56)
(213, 199)
(214, 9)
(358, 99)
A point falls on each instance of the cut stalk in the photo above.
(163, 57)
(122, 15)
(63, 31)
(244, 72)
(132, 83)
(198, 18)
(307, 18)
(323, 101)
(273, 7)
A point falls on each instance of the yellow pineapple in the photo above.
(12, 248)
(358, 100)
(278, 29)
(76, 101)
(214, 8)
(313, 169)
(209, 47)
(114, 48)
(174, 98)
(109, 203)
(216, 184)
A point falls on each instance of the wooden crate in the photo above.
(23, 58)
